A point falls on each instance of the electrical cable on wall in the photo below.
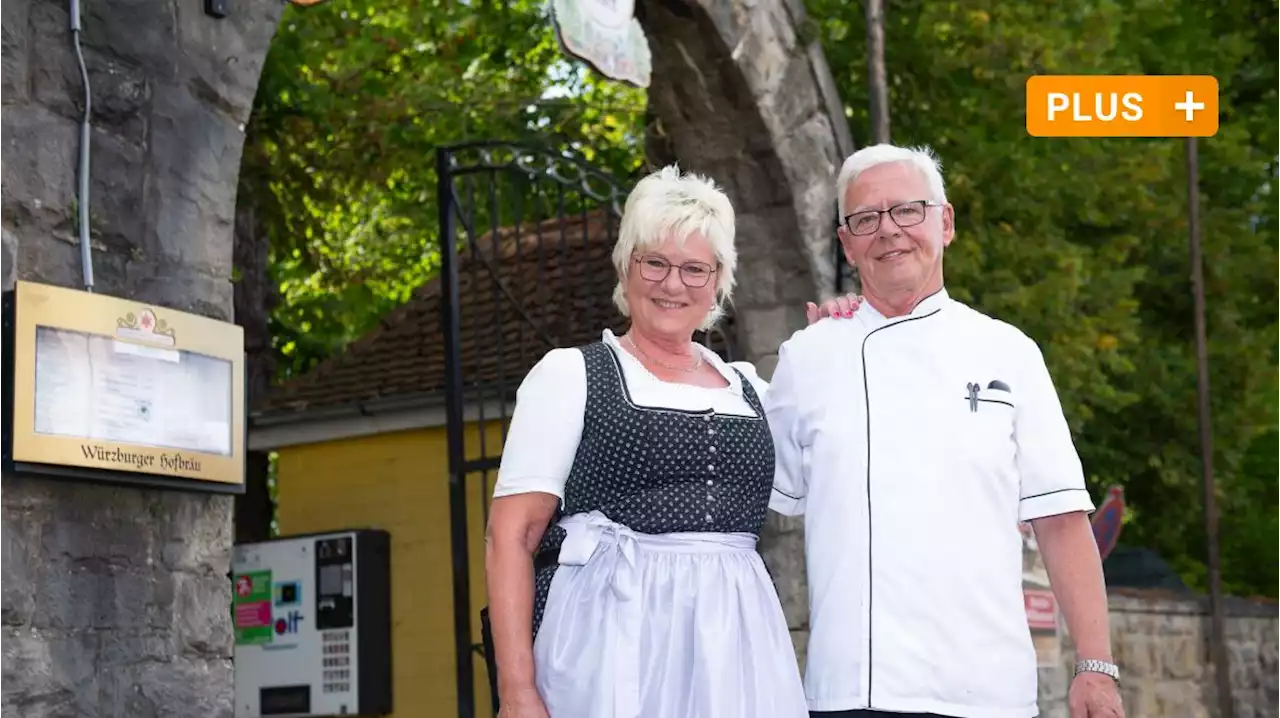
(82, 199)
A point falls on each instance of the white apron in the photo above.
(681, 625)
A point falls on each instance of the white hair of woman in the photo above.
(669, 203)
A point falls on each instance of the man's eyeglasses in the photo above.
(907, 214)
(693, 274)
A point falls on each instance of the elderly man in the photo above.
(914, 438)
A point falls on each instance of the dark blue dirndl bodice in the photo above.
(659, 470)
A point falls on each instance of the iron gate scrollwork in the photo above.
(522, 230)
(526, 242)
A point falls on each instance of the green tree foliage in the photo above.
(340, 160)
(1083, 242)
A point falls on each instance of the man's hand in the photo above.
(524, 703)
(839, 307)
(1094, 695)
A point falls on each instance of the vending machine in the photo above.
(312, 622)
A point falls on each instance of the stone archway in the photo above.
(115, 600)
(742, 92)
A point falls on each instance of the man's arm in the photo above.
(1075, 572)
(1055, 501)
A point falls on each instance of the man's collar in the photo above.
(931, 303)
(928, 305)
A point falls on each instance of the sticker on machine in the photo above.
(252, 605)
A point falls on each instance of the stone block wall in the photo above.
(115, 600)
(1161, 643)
(741, 92)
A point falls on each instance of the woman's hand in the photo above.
(516, 525)
(839, 307)
(525, 703)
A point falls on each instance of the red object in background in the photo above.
(1108, 520)
(1042, 609)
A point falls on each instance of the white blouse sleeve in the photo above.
(790, 436)
(546, 426)
(749, 371)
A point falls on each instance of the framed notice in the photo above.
(105, 389)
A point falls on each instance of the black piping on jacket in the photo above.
(866, 395)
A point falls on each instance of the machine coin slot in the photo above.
(334, 599)
(284, 700)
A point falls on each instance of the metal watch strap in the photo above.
(1091, 665)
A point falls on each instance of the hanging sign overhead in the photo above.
(606, 35)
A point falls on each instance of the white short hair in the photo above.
(669, 203)
(922, 158)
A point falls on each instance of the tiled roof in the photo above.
(554, 286)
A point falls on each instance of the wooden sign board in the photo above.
(111, 390)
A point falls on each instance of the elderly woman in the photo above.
(646, 596)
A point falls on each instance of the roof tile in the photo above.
(554, 287)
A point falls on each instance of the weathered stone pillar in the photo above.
(741, 92)
(115, 600)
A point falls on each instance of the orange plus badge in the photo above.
(1122, 106)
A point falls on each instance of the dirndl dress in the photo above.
(651, 599)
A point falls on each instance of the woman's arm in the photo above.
(782, 404)
(542, 440)
(516, 525)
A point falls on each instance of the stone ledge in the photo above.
(1170, 603)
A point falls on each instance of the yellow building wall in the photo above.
(399, 482)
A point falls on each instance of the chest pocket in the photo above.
(984, 413)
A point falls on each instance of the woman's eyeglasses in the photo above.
(694, 274)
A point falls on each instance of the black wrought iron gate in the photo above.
(526, 237)
(846, 278)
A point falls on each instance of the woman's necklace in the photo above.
(688, 370)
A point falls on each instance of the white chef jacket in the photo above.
(912, 490)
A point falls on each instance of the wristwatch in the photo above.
(1091, 665)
